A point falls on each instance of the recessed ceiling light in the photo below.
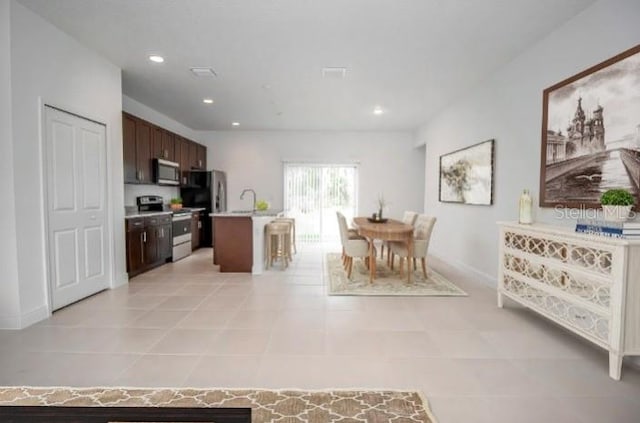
(235, 123)
(208, 101)
(378, 110)
(156, 59)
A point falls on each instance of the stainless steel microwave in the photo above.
(166, 172)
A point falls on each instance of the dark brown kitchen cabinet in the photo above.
(143, 142)
(197, 156)
(168, 145)
(165, 241)
(135, 245)
(149, 243)
(196, 226)
(184, 158)
(138, 150)
(163, 144)
(156, 143)
(233, 238)
(201, 157)
(129, 149)
(151, 238)
(193, 156)
(143, 152)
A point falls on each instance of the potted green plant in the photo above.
(617, 204)
(176, 203)
(262, 205)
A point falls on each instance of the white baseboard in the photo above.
(119, 280)
(34, 316)
(10, 322)
(24, 320)
(483, 277)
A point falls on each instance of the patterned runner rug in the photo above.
(387, 281)
(267, 406)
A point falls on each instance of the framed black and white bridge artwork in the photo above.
(591, 134)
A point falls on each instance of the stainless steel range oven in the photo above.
(181, 222)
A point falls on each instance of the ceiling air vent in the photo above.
(203, 72)
(334, 73)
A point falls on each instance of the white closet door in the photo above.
(76, 204)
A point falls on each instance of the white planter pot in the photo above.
(616, 213)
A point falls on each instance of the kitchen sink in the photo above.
(242, 211)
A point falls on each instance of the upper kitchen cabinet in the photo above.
(168, 145)
(143, 142)
(197, 156)
(143, 152)
(184, 154)
(137, 150)
(163, 144)
(156, 143)
(129, 149)
(202, 157)
(193, 155)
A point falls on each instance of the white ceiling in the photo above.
(412, 57)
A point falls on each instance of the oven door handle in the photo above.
(181, 218)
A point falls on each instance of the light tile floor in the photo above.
(185, 324)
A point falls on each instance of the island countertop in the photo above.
(247, 213)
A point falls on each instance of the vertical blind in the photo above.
(312, 195)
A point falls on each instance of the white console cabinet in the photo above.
(587, 283)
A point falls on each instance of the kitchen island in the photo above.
(238, 239)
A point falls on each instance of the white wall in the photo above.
(49, 67)
(9, 299)
(508, 107)
(389, 164)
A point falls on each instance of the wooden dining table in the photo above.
(391, 230)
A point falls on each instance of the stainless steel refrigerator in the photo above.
(207, 189)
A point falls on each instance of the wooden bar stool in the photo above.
(278, 243)
(292, 241)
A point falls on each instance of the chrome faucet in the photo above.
(244, 191)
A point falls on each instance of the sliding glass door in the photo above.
(312, 195)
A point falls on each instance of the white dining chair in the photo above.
(352, 245)
(408, 218)
(421, 237)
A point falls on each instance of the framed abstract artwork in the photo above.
(466, 175)
(591, 134)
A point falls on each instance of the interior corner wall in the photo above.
(389, 163)
(9, 297)
(508, 108)
(145, 112)
(50, 67)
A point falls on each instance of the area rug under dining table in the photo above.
(289, 406)
(387, 281)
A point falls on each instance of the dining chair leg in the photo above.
(401, 266)
(424, 267)
(415, 266)
(390, 259)
(267, 251)
(382, 250)
(349, 267)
